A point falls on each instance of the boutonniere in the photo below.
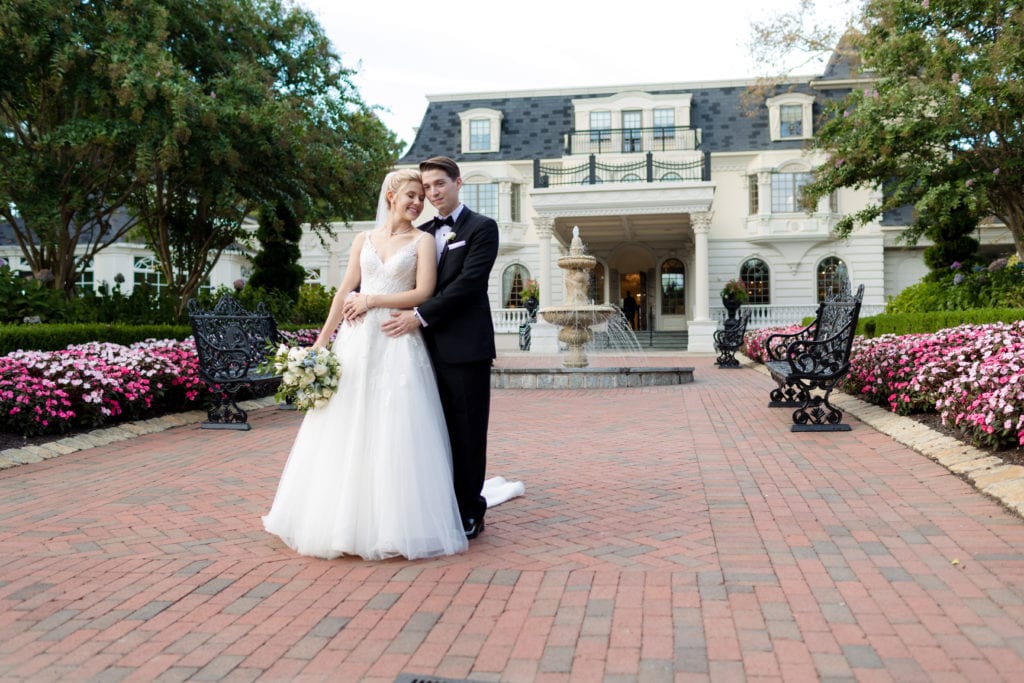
(449, 237)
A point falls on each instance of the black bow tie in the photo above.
(438, 222)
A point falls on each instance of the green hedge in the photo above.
(53, 337)
(933, 321)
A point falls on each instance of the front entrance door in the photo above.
(634, 300)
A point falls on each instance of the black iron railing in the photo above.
(632, 140)
(646, 170)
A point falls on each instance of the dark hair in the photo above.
(450, 168)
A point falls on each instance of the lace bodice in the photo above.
(398, 274)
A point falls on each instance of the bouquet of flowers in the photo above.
(309, 377)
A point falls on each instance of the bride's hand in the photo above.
(356, 306)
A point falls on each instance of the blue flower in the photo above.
(958, 278)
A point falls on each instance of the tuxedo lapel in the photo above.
(459, 232)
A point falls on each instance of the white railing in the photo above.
(774, 315)
(508, 320)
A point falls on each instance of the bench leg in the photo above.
(788, 396)
(727, 359)
(818, 415)
(227, 415)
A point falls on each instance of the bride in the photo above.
(370, 474)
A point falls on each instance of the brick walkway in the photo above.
(670, 533)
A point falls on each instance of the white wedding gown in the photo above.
(370, 473)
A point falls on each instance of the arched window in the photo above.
(756, 278)
(831, 275)
(512, 280)
(673, 291)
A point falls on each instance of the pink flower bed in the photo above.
(973, 376)
(46, 392)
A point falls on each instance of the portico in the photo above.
(650, 240)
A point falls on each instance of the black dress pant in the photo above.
(465, 390)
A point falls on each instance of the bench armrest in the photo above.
(823, 359)
(776, 344)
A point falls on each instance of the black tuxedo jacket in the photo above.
(458, 317)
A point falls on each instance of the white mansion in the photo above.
(676, 189)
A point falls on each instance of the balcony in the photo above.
(695, 166)
(632, 140)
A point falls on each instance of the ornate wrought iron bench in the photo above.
(815, 359)
(231, 343)
(729, 339)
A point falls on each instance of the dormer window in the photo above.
(790, 117)
(481, 130)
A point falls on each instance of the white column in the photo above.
(701, 328)
(544, 335)
(701, 227)
(544, 225)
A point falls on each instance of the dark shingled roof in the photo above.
(533, 125)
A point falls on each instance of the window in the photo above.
(673, 292)
(516, 203)
(631, 123)
(600, 126)
(831, 276)
(833, 202)
(480, 130)
(146, 271)
(313, 276)
(479, 135)
(756, 278)
(790, 116)
(752, 198)
(787, 191)
(86, 280)
(791, 121)
(664, 123)
(481, 197)
(19, 266)
(512, 280)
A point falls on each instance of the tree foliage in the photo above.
(70, 104)
(938, 123)
(189, 114)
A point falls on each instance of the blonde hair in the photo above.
(393, 182)
(396, 180)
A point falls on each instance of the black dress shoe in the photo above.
(473, 527)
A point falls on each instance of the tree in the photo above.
(939, 122)
(258, 112)
(276, 266)
(70, 103)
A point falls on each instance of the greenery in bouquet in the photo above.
(309, 377)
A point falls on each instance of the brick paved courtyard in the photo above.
(667, 534)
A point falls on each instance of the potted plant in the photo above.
(530, 294)
(734, 294)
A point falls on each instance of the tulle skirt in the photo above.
(370, 473)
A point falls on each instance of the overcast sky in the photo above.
(404, 51)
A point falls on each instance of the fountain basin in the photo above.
(586, 315)
(589, 378)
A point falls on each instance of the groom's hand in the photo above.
(400, 322)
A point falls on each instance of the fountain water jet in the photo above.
(577, 316)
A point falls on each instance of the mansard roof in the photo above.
(535, 122)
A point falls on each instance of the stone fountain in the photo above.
(577, 315)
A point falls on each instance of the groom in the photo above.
(458, 330)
